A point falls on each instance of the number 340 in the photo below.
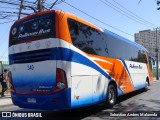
(30, 67)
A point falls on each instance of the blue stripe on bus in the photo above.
(67, 55)
(78, 58)
(71, 56)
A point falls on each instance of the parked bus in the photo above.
(60, 61)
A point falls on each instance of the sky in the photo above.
(111, 13)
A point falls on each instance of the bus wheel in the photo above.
(111, 96)
(146, 85)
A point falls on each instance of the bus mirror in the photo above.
(153, 62)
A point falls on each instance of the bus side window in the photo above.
(88, 39)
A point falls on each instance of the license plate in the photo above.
(31, 100)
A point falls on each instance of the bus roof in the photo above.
(124, 39)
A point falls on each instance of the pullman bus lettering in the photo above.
(41, 31)
(135, 66)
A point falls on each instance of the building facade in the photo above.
(147, 38)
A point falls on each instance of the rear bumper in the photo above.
(60, 101)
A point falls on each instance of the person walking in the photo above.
(3, 82)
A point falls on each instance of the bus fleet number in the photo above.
(30, 67)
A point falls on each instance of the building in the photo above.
(147, 38)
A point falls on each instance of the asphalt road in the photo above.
(134, 104)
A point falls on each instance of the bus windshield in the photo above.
(33, 28)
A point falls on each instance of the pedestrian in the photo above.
(3, 82)
(1, 79)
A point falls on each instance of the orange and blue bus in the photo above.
(60, 61)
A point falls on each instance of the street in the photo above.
(137, 101)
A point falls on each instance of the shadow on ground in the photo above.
(101, 110)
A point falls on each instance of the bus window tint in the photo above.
(88, 39)
(120, 49)
(100, 43)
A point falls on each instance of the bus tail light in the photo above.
(61, 81)
(11, 82)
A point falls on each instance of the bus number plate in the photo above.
(31, 100)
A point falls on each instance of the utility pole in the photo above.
(20, 9)
(157, 65)
(40, 6)
(158, 2)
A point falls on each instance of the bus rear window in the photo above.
(34, 28)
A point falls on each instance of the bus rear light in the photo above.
(61, 85)
(61, 81)
(59, 75)
(11, 82)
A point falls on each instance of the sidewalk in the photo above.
(154, 79)
(6, 100)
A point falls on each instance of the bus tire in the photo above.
(146, 85)
(111, 95)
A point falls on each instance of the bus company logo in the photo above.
(21, 29)
(14, 31)
(35, 26)
(135, 66)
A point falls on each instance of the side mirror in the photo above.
(153, 62)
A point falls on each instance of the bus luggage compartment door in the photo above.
(34, 77)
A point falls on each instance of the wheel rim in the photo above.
(111, 96)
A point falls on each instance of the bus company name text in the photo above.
(41, 31)
(135, 66)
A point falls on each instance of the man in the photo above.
(3, 82)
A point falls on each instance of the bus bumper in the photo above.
(57, 101)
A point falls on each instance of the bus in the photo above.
(60, 61)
